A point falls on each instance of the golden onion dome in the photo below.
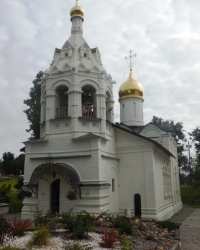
(131, 88)
(77, 11)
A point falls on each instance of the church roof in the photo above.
(137, 129)
(130, 131)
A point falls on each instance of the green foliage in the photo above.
(190, 195)
(126, 243)
(33, 103)
(40, 238)
(19, 184)
(123, 223)
(167, 224)
(12, 248)
(77, 246)
(19, 227)
(195, 136)
(7, 185)
(109, 238)
(5, 229)
(150, 237)
(79, 224)
(39, 218)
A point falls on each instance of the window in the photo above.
(66, 54)
(85, 54)
(88, 101)
(113, 185)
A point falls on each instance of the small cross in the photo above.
(130, 58)
(76, 2)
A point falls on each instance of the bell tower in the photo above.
(131, 99)
(77, 93)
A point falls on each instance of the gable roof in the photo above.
(127, 129)
(138, 129)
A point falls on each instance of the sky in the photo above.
(163, 33)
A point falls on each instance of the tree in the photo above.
(33, 112)
(195, 136)
(12, 165)
(8, 159)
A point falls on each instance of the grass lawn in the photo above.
(15, 202)
(190, 195)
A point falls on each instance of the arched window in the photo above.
(113, 185)
(85, 54)
(88, 101)
(62, 102)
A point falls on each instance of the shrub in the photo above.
(123, 223)
(79, 224)
(82, 225)
(39, 218)
(19, 227)
(77, 246)
(4, 229)
(150, 237)
(40, 238)
(109, 238)
(12, 248)
(126, 243)
(167, 224)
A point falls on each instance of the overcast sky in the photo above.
(163, 33)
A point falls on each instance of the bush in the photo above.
(77, 246)
(4, 229)
(82, 225)
(40, 238)
(19, 227)
(109, 238)
(126, 243)
(167, 224)
(39, 218)
(79, 224)
(123, 223)
(12, 248)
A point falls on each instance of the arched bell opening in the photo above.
(62, 102)
(88, 101)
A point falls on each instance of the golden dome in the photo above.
(131, 88)
(77, 11)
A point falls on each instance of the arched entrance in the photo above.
(137, 205)
(55, 196)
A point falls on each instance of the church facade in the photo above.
(83, 161)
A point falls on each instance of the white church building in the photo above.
(83, 160)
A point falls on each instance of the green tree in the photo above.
(8, 159)
(195, 136)
(33, 112)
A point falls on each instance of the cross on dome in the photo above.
(131, 55)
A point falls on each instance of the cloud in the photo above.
(163, 33)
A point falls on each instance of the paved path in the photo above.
(190, 228)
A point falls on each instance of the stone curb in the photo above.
(176, 246)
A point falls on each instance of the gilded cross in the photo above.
(131, 55)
